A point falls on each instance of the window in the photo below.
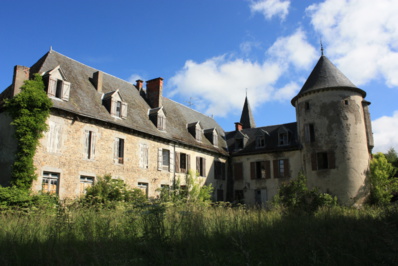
(260, 142)
(50, 182)
(238, 171)
(283, 139)
(89, 144)
(220, 195)
(164, 160)
(161, 122)
(182, 162)
(281, 168)
(119, 150)
(143, 156)
(260, 170)
(309, 133)
(239, 196)
(144, 188)
(196, 130)
(238, 144)
(198, 133)
(219, 170)
(323, 160)
(85, 182)
(307, 106)
(58, 88)
(58, 91)
(260, 196)
(201, 166)
(54, 137)
(118, 108)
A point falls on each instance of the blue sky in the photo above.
(210, 51)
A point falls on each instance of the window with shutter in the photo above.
(323, 160)
(119, 150)
(89, 144)
(201, 166)
(143, 156)
(85, 183)
(50, 182)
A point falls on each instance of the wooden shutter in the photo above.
(267, 169)
(314, 161)
(116, 150)
(276, 168)
(287, 168)
(52, 86)
(177, 162)
(124, 110)
(307, 132)
(65, 91)
(113, 107)
(204, 167)
(93, 139)
(86, 142)
(331, 160)
(160, 159)
(188, 159)
(171, 161)
(198, 165)
(252, 170)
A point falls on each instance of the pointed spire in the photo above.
(321, 48)
(247, 119)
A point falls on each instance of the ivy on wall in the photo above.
(29, 111)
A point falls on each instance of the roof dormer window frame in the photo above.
(115, 105)
(284, 137)
(260, 138)
(212, 135)
(196, 130)
(58, 87)
(158, 118)
(240, 141)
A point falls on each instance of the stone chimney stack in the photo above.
(97, 80)
(21, 73)
(154, 88)
(139, 84)
(238, 126)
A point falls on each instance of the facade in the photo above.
(101, 125)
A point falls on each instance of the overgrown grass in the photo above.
(198, 235)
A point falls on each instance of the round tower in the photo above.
(334, 129)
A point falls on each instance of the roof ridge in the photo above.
(90, 67)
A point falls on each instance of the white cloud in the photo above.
(221, 83)
(361, 36)
(294, 49)
(133, 78)
(385, 133)
(270, 8)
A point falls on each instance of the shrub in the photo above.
(296, 197)
(107, 191)
(382, 181)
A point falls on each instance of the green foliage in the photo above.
(382, 181)
(16, 199)
(297, 198)
(107, 191)
(29, 111)
(193, 192)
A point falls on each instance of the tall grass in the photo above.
(198, 235)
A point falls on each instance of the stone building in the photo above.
(100, 124)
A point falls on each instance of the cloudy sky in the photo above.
(212, 53)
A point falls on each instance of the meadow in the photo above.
(193, 234)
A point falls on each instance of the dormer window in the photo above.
(260, 138)
(114, 103)
(57, 86)
(240, 140)
(284, 136)
(212, 136)
(196, 130)
(158, 118)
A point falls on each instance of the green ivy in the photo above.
(29, 111)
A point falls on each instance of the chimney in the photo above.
(97, 80)
(139, 84)
(154, 88)
(238, 126)
(21, 73)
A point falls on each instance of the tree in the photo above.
(382, 181)
(29, 111)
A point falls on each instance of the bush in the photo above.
(382, 181)
(17, 199)
(297, 198)
(107, 191)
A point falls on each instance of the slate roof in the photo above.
(247, 119)
(271, 134)
(86, 101)
(325, 75)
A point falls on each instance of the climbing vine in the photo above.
(29, 111)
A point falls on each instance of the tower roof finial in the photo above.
(321, 47)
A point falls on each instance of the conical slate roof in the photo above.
(247, 119)
(326, 75)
